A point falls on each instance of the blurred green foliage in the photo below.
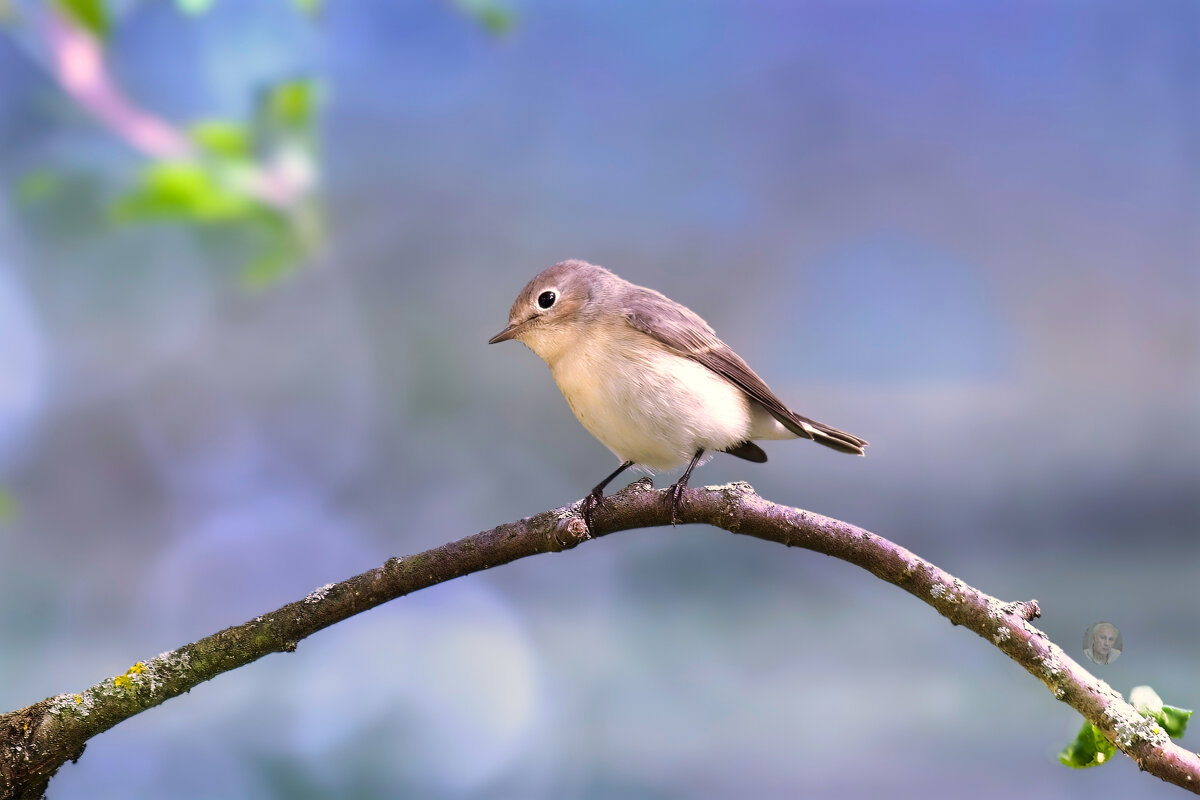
(194, 6)
(222, 139)
(310, 7)
(492, 16)
(255, 181)
(258, 176)
(288, 108)
(8, 506)
(36, 186)
(182, 190)
(91, 15)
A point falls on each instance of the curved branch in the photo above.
(37, 740)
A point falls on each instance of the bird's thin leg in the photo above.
(592, 501)
(681, 484)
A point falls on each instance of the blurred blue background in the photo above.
(968, 232)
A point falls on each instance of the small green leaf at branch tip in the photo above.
(1173, 720)
(1090, 749)
(91, 15)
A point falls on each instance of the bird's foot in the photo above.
(675, 493)
(590, 503)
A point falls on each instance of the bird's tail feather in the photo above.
(831, 437)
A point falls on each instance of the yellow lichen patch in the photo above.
(78, 699)
(126, 680)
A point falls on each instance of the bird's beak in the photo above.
(510, 332)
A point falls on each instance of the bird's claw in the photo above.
(676, 495)
(589, 506)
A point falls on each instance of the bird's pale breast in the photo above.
(647, 404)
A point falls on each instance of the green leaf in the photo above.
(91, 15)
(194, 7)
(1174, 720)
(225, 139)
(184, 191)
(1090, 749)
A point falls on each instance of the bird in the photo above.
(649, 378)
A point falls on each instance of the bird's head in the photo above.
(557, 307)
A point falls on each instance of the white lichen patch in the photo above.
(150, 674)
(170, 664)
(1051, 667)
(937, 590)
(176, 659)
(1060, 692)
(317, 595)
(81, 704)
(1132, 728)
(1002, 635)
(995, 609)
(741, 487)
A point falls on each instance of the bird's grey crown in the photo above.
(571, 277)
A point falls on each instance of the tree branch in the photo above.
(37, 740)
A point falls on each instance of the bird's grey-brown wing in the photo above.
(682, 330)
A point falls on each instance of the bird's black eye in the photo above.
(546, 299)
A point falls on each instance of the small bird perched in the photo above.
(648, 377)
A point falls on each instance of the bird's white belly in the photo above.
(648, 405)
